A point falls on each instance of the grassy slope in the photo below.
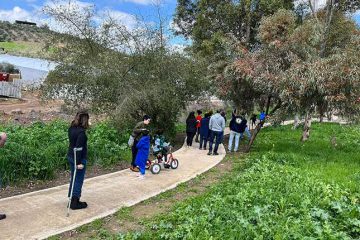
(25, 49)
(24, 40)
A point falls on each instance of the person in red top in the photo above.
(198, 125)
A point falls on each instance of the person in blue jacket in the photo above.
(204, 131)
(142, 155)
(262, 116)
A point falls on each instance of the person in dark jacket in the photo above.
(142, 155)
(204, 131)
(235, 131)
(78, 139)
(3, 138)
(253, 121)
(137, 132)
(190, 128)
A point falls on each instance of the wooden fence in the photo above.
(10, 89)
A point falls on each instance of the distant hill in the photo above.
(11, 32)
(24, 40)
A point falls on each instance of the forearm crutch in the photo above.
(73, 181)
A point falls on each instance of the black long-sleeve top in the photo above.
(191, 125)
(77, 139)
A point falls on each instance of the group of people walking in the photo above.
(207, 129)
(210, 129)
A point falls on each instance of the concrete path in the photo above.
(41, 214)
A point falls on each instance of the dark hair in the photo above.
(207, 115)
(199, 112)
(191, 115)
(210, 113)
(81, 120)
(146, 117)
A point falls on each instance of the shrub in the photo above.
(39, 150)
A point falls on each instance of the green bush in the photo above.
(8, 68)
(39, 150)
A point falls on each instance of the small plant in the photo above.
(8, 68)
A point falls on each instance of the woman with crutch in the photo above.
(77, 156)
(2, 143)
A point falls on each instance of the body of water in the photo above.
(33, 70)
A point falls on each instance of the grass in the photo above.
(330, 154)
(284, 189)
(28, 49)
(14, 46)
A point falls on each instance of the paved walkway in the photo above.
(41, 214)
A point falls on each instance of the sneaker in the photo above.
(141, 177)
(209, 153)
(215, 153)
(2, 216)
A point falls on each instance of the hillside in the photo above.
(24, 40)
(10, 32)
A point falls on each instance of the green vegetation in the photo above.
(14, 46)
(26, 40)
(289, 191)
(22, 32)
(27, 49)
(8, 68)
(39, 150)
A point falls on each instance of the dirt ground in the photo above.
(29, 109)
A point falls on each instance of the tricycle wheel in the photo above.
(155, 168)
(174, 163)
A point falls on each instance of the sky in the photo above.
(30, 10)
(124, 10)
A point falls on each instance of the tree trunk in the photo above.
(329, 15)
(259, 126)
(254, 134)
(296, 121)
(329, 115)
(306, 131)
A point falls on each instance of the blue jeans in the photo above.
(247, 132)
(237, 136)
(79, 178)
(218, 136)
(203, 141)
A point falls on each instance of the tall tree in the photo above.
(208, 23)
(122, 72)
(287, 73)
